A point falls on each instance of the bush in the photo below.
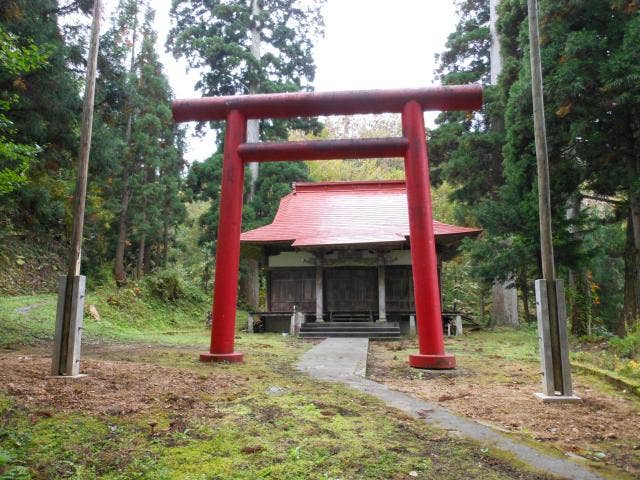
(171, 286)
(628, 346)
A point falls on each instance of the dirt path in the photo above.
(111, 387)
(603, 428)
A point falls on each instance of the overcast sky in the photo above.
(367, 44)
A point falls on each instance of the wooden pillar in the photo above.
(319, 293)
(225, 293)
(423, 246)
(440, 280)
(382, 300)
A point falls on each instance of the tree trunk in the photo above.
(250, 283)
(524, 289)
(141, 256)
(631, 309)
(495, 58)
(119, 270)
(146, 263)
(481, 303)
(580, 307)
(165, 244)
(580, 302)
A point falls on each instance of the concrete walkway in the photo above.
(344, 360)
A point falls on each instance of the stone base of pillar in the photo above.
(66, 356)
(436, 362)
(235, 357)
(557, 398)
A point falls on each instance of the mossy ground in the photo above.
(263, 420)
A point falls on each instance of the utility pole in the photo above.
(250, 281)
(66, 355)
(253, 125)
(550, 301)
(495, 58)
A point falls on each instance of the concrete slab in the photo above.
(337, 358)
(344, 360)
(557, 398)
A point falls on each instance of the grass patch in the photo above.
(273, 422)
(127, 315)
(259, 419)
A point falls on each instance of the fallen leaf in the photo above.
(252, 449)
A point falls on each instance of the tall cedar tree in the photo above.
(17, 62)
(46, 113)
(216, 36)
(219, 36)
(592, 63)
(157, 206)
(490, 157)
(591, 115)
(143, 180)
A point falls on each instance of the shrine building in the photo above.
(339, 252)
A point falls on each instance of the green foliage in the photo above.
(286, 31)
(138, 204)
(489, 158)
(43, 115)
(16, 61)
(289, 28)
(171, 286)
(358, 126)
(627, 346)
(136, 171)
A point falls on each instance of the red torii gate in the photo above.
(412, 146)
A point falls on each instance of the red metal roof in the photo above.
(345, 213)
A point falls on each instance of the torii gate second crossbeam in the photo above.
(411, 103)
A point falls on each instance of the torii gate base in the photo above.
(412, 146)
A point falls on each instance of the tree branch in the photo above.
(602, 198)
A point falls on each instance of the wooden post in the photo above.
(458, 325)
(292, 321)
(412, 326)
(225, 293)
(63, 363)
(319, 294)
(382, 301)
(423, 246)
(547, 317)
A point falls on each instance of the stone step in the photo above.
(330, 325)
(371, 335)
(350, 329)
(350, 334)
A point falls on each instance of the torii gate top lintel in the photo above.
(311, 104)
(411, 103)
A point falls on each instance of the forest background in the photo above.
(152, 218)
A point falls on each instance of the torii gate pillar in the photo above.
(412, 146)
